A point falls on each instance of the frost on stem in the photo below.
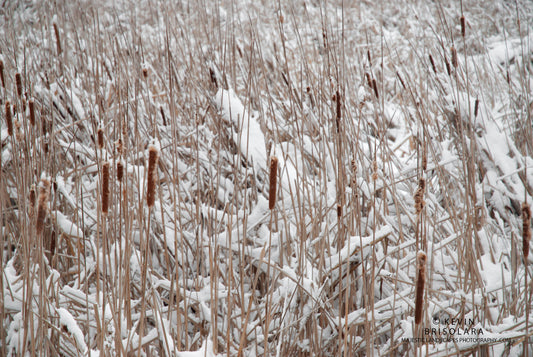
(153, 157)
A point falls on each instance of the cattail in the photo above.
(163, 116)
(32, 198)
(424, 161)
(432, 64)
(455, 63)
(401, 80)
(420, 283)
(105, 187)
(476, 107)
(31, 104)
(526, 229)
(339, 111)
(273, 182)
(463, 26)
(374, 170)
(448, 68)
(18, 81)
(18, 131)
(2, 73)
(120, 170)
(368, 79)
(58, 39)
(100, 136)
(419, 195)
(369, 58)
(339, 211)
(213, 77)
(145, 73)
(9, 119)
(42, 204)
(375, 87)
(153, 157)
(119, 146)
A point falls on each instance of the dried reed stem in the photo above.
(153, 157)
(526, 229)
(273, 182)
(42, 204)
(420, 283)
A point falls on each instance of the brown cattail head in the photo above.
(42, 204)
(401, 80)
(420, 283)
(448, 68)
(424, 161)
(453, 51)
(2, 73)
(9, 119)
(105, 187)
(31, 104)
(145, 73)
(18, 81)
(33, 199)
(374, 170)
(375, 87)
(463, 26)
(120, 170)
(119, 146)
(153, 157)
(432, 64)
(419, 195)
(273, 182)
(58, 39)
(100, 136)
(526, 229)
(476, 107)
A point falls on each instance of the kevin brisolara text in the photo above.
(453, 331)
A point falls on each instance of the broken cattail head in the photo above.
(42, 204)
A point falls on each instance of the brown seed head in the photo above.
(463, 26)
(42, 204)
(273, 182)
(100, 136)
(153, 158)
(31, 104)
(2, 73)
(9, 119)
(105, 187)
(420, 284)
(18, 81)
(526, 229)
(455, 62)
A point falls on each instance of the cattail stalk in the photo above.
(273, 182)
(420, 283)
(9, 119)
(153, 157)
(58, 39)
(18, 81)
(526, 229)
(105, 187)
(42, 204)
